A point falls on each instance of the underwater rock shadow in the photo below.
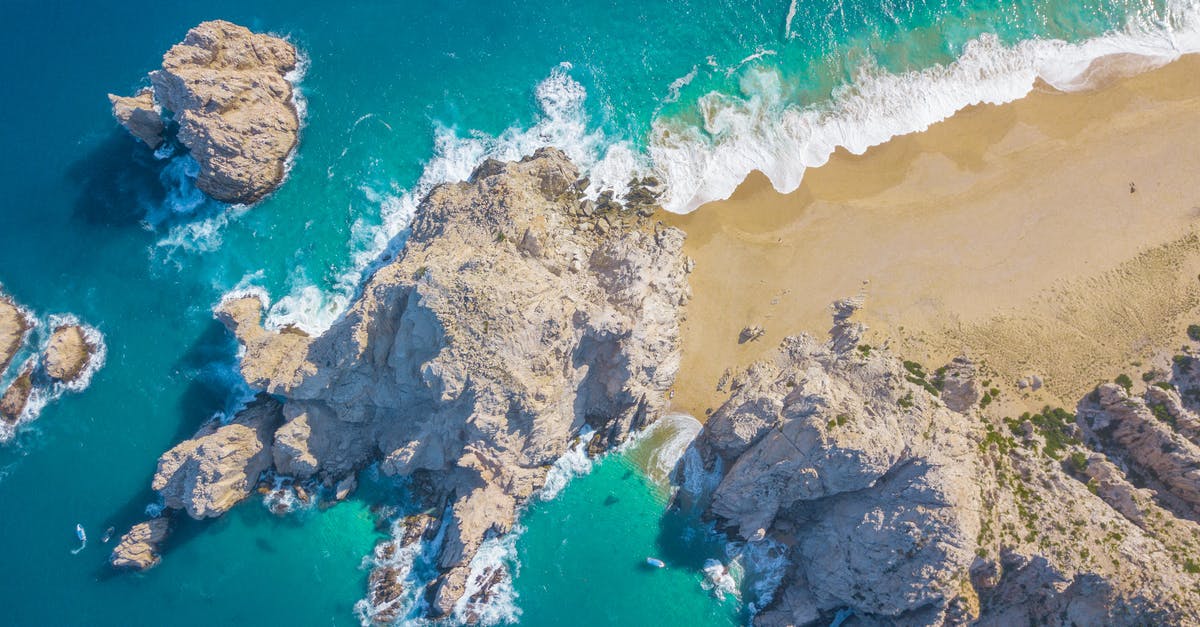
(118, 179)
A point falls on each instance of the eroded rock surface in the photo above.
(219, 466)
(228, 90)
(138, 548)
(140, 116)
(899, 511)
(67, 354)
(518, 315)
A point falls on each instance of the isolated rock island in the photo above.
(230, 93)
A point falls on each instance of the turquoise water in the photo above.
(401, 95)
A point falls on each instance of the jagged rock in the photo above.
(229, 92)
(67, 353)
(960, 389)
(13, 328)
(138, 548)
(820, 443)
(891, 506)
(210, 473)
(1129, 427)
(12, 404)
(477, 356)
(139, 116)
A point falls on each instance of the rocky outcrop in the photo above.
(12, 404)
(138, 549)
(228, 90)
(894, 509)
(518, 316)
(140, 116)
(13, 328)
(1143, 432)
(867, 472)
(67, 353)
(960, 390)
(219, 466)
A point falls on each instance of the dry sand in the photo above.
(1006, 232)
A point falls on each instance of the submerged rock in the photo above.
(138, 548)
(229, 92)
(210, 473)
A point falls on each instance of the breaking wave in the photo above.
(763, 131)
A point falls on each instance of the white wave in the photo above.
(661, 445)
(762, 131)
(563, 122)
(45, 390)
(791, 15)
(678, 84)
(416, 565)
(496, 559)
(758, 568)
(574, 463)
(719, 580)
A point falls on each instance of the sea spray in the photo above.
(766, 131)
(563, 122)
(45, 390)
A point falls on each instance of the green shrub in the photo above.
(1124, 381)
(1193, 332)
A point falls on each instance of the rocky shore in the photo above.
(519, 316)
(70, 352)
(228, 91)
(900, 501)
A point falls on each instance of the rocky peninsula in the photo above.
(229, 92)
(899, 501)
(520, 316)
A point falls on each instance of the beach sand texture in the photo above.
(1051, 236)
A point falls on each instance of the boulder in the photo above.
(14, 325)
(138, 548)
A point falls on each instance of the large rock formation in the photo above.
(210, 473)
(229, 92)
(896, 510)
(518, 315)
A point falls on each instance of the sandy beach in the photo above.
(1050, 236)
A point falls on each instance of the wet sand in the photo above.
(1047, 236)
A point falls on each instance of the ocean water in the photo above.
(400, 96)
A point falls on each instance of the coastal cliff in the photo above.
(896, 509)
(228, 90)
(519, 317)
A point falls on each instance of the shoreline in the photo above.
(1000, 230)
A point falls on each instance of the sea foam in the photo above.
(762, 131)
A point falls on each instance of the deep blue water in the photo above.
(401, 95)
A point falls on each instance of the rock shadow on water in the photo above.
(117, 180)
